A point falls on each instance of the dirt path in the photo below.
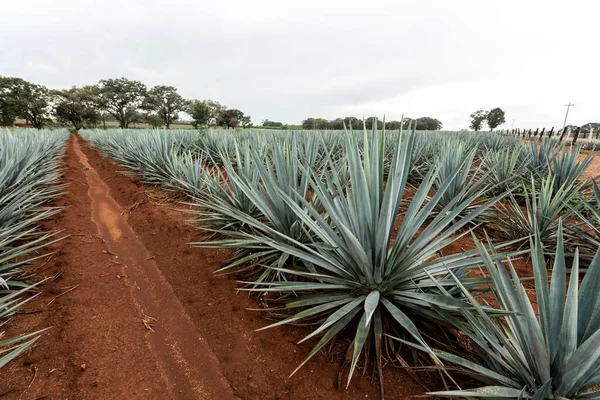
(186, 362)
(148, 319)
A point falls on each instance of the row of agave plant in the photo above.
(30, 163)
(351, 232)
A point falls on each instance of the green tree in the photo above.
(495, 118)
(165, 102)
(123, 99)
(274, 124)
(10, 108)
(216, 109)
(316, 123)
(393, 125)
(200, 112)
(232, 118)
(78, 107)
(155, 120)
(22, 99)
(477, 120)
(428, 124)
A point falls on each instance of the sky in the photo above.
(287, 61)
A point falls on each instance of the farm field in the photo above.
(366, 228)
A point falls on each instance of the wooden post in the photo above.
(542, 133)
(576, 135)
(551, 132)
(562, 135)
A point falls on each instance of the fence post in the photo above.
(562, 134)
(576, 135)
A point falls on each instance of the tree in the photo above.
(123, 99)
(166, 103)
(200, 113)
(216, 109)
(233, 118)
(315, 123)
(495, 118)
(393, 125)
(428, 124)
(587, 128)
(477, 119)
(22, 99)
(78, 107)
(274, 124)
(9, 103)
(155, 120)
(369, 123)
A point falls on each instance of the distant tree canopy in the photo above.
(124, 99)
(428, 124)
(127, 101)
(232, 118)
(200, 113)
(155, 120)
(165, 102)
(274, 124)
(589, 126)
(423, 123)
(77, 107)
(22, 99)
(477, 119)
(494, 118)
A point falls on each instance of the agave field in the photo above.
(353, 234)
(347, 231)
(29, 179)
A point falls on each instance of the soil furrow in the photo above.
(186, 362)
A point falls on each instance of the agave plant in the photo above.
(357, 272)
(542, 212)
(29, 164)
(589, 234)
(222, 198)
(551, 351)
(506, 168)
(566, 167)
(153, 155)
(466, 183)
(282, 172)
(541, 154)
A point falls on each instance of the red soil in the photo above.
(148, 319)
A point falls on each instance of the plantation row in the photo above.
(29, 172)
(350, 231)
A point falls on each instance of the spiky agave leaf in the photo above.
(587, 235)
(543, 209)
(29, 164)
(566, 167)
(222, 198)
(467, 183)
(506, 168)
(280, 172)
(356, 271)
(554, 353)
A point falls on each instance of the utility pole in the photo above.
(562, 134)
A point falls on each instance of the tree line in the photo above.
(423, 123)
(126, 101)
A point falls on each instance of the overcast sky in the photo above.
(287, 61)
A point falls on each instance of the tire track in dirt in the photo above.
(185, 360)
